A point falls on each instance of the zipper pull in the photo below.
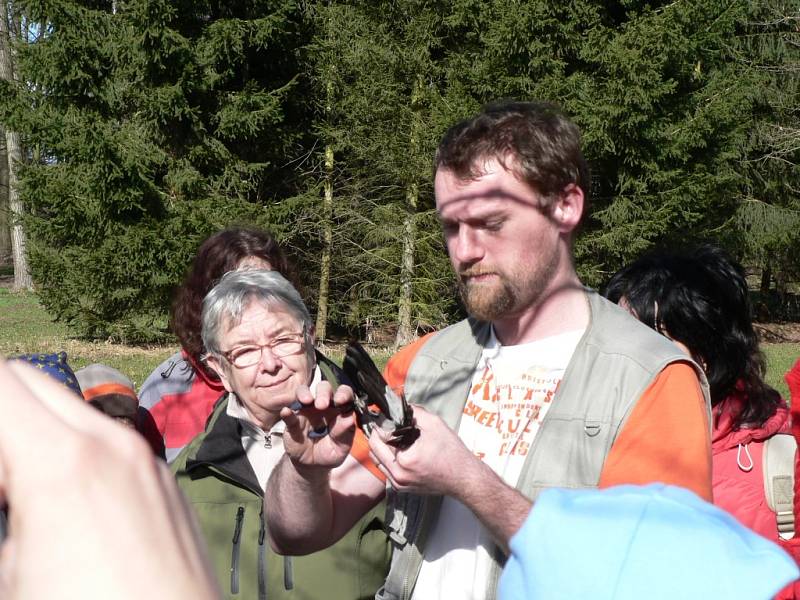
(237, 532)
(263, 529)
(238, 529)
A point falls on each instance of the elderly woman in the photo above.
(259, 338)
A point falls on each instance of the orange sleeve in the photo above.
(397, 368)
(666, 437)
(360, 451)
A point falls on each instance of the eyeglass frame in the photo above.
(303, 335)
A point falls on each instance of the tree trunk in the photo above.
(22, 276)
(5, 222)
(766, 278)
(762, 311)
(406, 332)
(327, 214)
(327, 245)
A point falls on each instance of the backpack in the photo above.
(779, 463)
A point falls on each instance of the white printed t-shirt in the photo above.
(511, 390)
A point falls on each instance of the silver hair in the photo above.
(225, 304)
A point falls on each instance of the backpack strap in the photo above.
(779, 462)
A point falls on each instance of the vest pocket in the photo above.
(235, 549)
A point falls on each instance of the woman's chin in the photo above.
(277, 401)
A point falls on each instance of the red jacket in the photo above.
(737, 472)
(180, 397)
(792, 546)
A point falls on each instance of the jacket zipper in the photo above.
(237, 533)
(262, 584)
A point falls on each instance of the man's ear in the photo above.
(568, 208)
(216, 365)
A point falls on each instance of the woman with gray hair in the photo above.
(259, 338)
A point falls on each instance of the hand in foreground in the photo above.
(438, 462)
(88, 501)
(329, 412)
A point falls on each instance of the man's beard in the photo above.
(508, 294)
(487, 302)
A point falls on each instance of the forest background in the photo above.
(134, 129)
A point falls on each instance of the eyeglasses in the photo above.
(247, 356)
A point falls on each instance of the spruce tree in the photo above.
(374, 68)
(766, 227)
(154, 123)
(651, 87)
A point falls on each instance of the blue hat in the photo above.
(55, 365)
(630, 542)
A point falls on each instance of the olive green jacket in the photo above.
(218, 481)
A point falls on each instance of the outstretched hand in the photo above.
(320, 433)
(88, 500)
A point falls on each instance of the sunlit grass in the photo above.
(780, 358)
(25, 328)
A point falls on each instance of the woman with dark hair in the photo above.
(180, 393)
(700, 301)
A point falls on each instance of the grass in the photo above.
(780, 358)
(26, 328)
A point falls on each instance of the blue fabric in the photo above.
(632, 542)
(55, 365)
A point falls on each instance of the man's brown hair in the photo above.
(533, 140)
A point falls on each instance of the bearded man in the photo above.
(545, 385)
